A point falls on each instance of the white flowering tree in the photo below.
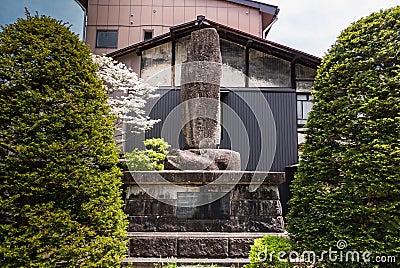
(128, 95)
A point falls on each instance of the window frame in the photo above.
(309, 99)
(106, 31)
(148, 31)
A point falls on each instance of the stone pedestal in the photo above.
(202, 159)
(165, 221)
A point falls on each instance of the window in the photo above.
(233, 59)
(148, 34)
(266, 70)
(304, 78)
(304, 104)
(107, 38)
(156, 65)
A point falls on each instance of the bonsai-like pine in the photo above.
(150, 159)
(60, 188)
(348, 184)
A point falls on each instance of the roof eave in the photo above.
(228, 33)
(83, 4)
(263, 7)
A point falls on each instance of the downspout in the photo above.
(84, 20)
(274, 19)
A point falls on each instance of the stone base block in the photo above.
(152, 247)
(265, 224)
(202, 159)
(202, 247)
(192, 244)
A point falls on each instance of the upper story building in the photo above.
(115, 24)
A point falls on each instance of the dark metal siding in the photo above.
(248, 109)
(250, 105)
(171, 120)
(168, 128)
(283, 106)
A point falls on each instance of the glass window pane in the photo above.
(156, 65)
(301, 97)
(233, 60)
(268, 71)
(303, 72)
(107, 38)
(307, 105)
(299, 109)
(301, 121)
(148, 35)
(304, 86)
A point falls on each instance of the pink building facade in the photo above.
(115, 24)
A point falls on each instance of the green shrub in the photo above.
(156, 150)
(264, 252)
(60, 186)
(138, 160)
(150, 159)
(348, 183)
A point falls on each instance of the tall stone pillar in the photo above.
(200, 83)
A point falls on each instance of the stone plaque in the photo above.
(218, 209)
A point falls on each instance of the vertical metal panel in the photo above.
(163, 108)
(283, 106)
(248, 106)
(171, 120)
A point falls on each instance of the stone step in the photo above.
(203, 234)
(184, 262)
(192, 245)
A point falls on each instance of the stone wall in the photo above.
(153, 205)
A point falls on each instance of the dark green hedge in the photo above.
(60, 186)
(348, 184)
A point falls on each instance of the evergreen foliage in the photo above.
(150, 159)
(137, 160)
(60, 188)
(156, 149)
(348, 184)
(265, 252)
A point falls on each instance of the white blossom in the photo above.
(128, 94)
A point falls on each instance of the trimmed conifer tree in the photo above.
(60, 191)
(348, 184)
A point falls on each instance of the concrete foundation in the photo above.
(202, 215)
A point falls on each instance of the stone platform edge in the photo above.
(184, 262)
(202, 177)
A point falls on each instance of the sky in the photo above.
(311, 26)
(65, 10)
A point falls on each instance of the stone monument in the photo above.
(202, 209)
(201, 109)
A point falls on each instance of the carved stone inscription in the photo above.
(186, 209)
